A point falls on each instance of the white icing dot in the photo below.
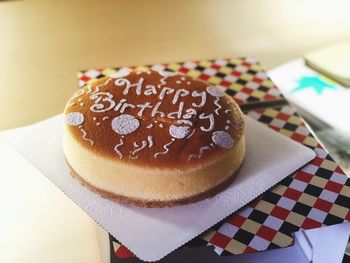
(179, 132)
(161, 125)
(149, 126)
(188, 82)
(228, 121)
(138, 72)
(167, 73)
(227, 128)
(74, 118)
(183, 78)
(214, 91)
(148, 72)
(81, 104)
(125, 124)
(222, 139)
(94, 118)
(178, 81)
(173, 139)
(98, 123)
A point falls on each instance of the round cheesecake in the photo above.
(152, 138)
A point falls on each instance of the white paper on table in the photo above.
(152, 233)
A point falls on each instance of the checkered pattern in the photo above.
(243, 79)
(316, 195)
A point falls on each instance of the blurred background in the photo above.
(44, 43)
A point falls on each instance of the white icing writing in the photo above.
(128, 85)
(102, 97)
(178, 93)
(178, 113)
(156, 111)
(211, 122)
(165, 91)
(143, 107)
(190, 113)
(203, 96)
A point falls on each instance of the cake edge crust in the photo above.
(155, 204)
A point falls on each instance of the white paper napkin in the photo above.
(152, 233)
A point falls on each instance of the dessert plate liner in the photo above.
(152, 233)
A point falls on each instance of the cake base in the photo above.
(154, 204)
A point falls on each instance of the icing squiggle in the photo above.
(162, 82)
(144, 144)
(121, 142)
(149, 138)
(165, 148)
(191, 133)
(211, 122)
(85, 138)
(218, 106)
(107, 81)
(97, 89)
(200, 154)
(89, 89)
(78, 93)
(226, 111)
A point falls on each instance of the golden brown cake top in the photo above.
(156, 119)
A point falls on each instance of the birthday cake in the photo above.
(152, 138)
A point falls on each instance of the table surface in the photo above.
(44, 43)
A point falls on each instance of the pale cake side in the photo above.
(153, 138)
